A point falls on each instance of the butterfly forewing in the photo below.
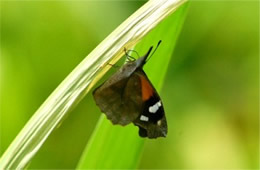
(151, 121)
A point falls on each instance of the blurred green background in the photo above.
(210, 94)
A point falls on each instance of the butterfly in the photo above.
(128, 96)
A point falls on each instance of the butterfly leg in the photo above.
(128, 57)
(113, 65)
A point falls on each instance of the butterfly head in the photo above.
(141, 61)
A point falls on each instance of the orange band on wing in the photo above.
(147, 89)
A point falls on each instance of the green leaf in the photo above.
(121, 147)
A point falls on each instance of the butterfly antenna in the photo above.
(154, 50)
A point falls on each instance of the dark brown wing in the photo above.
(120, 99)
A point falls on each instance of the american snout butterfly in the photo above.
(128, 96)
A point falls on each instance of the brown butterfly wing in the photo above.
(120, 98)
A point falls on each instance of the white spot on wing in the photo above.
(155, 107)
(144, 118)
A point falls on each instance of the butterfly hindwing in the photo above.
(120, 99)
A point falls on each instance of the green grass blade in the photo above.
(79, 82)
(120, 147)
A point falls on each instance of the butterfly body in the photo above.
(129, 97)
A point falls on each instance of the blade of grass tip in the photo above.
(79, 82)
(120, 147)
